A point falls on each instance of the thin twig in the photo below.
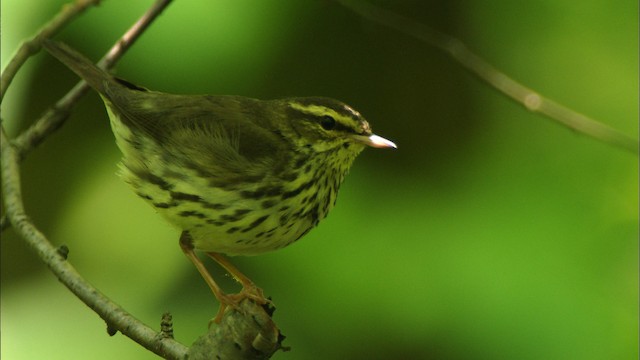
(55, 116)
(531, 99)
(115, 317)
(32, 46)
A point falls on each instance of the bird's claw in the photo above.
(249, 291)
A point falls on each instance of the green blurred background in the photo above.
(491, 233)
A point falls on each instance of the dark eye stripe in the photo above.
(327, 122)
(341, 127)
(337, 126)
(318, 113)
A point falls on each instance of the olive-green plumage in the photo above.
(236, 175)
(241, 175)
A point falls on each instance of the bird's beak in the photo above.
(375, 141)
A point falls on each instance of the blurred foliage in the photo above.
(491, 233)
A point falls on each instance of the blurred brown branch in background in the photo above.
(532, 100)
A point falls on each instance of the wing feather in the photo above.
(224, 138)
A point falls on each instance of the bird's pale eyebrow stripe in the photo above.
(316, 110)
(344, 122)
(319, 110)
(352, 111)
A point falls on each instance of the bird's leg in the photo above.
(224, 299)
(249, 289)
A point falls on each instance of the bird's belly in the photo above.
(268, 236)
(242, 228)
(229, 221)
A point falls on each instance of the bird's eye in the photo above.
(327, 122)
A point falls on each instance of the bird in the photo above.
(236, 175)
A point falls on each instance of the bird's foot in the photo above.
(232, 301)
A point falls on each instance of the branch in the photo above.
(245, 334)
(54, 118)
(115, 317)
(10, 155)
(32, 46)
(531, 99)
(248, 333)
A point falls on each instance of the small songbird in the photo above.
(238, 176)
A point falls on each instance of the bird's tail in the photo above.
(85, 68)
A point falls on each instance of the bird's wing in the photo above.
(215, 135)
